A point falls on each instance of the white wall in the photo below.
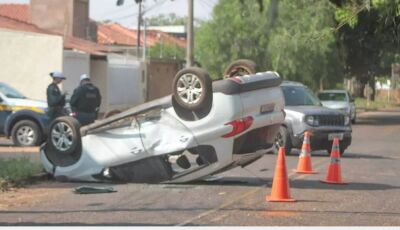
(75, 64)
(26, 59)
(99, 77)
(126, 85)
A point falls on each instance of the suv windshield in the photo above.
(332, 96)
(10, 92)
(299, 95)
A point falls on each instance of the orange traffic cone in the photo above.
(334, 175)
(304, 165)
(280, 185)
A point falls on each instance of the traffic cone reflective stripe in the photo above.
(280, 184)
(304, 165)
(334, 175)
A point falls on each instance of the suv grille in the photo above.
(331, 120)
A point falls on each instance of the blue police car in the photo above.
(21, 119)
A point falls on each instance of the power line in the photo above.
(118, 10)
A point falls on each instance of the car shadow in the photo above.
(315, 184)
(364, 156)
(380, 120)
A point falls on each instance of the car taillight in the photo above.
(72, 114)
(236, 79)
(239, 126)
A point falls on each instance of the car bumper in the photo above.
(319, 139)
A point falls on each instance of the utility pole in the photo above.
(189, 37)
(139, 2)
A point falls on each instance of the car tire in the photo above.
(26, 133)
(341, 150)
(282, 139)
(353, 121)
(240, 67)
(64, 135)
(192, 88)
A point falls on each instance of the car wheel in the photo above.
(240, 67)
(353, 121)
(64, 135)
(341, 150)
(282, 139)
(26, 133)
(192, 88)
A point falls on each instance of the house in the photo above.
(29, 52)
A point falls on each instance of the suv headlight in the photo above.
(312, 120)
(346, 120)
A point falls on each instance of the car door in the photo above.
(4, 113)
(163, 133)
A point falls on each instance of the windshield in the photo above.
(332, 96)
(10, 92)
(298, 95)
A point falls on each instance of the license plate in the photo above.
(333, 135)
(267, 108)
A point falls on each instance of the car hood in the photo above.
(335, 104)
(312, 110)
(29, 104)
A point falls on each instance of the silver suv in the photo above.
(304, 112)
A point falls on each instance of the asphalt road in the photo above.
(371, 197)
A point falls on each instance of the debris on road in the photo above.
(93, 190)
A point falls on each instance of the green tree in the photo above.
(166, 50)
(166, 20)
(294, 38)
(369, 38)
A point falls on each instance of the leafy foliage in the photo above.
(289, 37)
(305, 40)
(166, 20)
(166, 50)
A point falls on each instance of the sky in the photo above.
(127, 14)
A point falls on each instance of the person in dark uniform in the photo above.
(55, 99)
(85, 101)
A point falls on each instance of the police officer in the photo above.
(85, 101)
(55, 99)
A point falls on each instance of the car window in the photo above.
(298, 95)
(10, 92)
(332, 96)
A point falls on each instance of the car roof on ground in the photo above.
(333, 91)
(292, 83)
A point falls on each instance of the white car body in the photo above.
(154, 135)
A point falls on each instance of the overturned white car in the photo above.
(202, 129)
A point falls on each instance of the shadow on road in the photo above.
(380, 120)
(365, 156)
(79, 224)
(234, 181)
(312, 184)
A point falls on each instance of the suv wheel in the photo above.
(192, 88)
(64, 135)
(240, 67)
(26, 133)
(282, 139)
(341, 150)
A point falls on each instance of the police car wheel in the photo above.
(192, 88)
(240, 67)
(64, 135)
(26, 133)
